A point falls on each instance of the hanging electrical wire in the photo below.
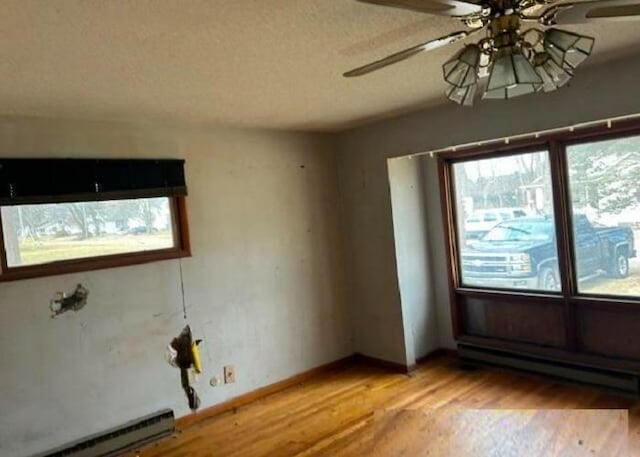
(183, 353)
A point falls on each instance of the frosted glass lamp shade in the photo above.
(567, 49)
(462, 70)
(553, 75)
(462, 95)
(511, 75)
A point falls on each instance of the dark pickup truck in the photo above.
(521, 253)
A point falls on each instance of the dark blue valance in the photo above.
(28, 181)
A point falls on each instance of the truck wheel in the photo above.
(548, 279)
(620, 267)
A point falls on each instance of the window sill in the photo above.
(95, 263)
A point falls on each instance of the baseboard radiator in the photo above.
(119, 439)
(623, 381)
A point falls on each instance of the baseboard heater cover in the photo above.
(589, 375)
(119, 439)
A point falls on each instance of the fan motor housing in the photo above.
(504, 30)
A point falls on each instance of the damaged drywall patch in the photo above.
(69, 302)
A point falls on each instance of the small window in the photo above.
(41, 234)
(490, 217)
(70, 215)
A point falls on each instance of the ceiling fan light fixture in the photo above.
(568, 49)
(513, 58)
(462, 70)
(553, 75)
(462, 95)
(511, 75)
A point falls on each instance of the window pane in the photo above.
(517, 250)
(604, 182)
(37, 234)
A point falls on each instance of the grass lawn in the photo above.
(47, 250)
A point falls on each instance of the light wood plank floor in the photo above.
(362, 410)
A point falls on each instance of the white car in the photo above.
(483, 220)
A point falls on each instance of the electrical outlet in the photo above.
(229, 374)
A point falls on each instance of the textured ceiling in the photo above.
(261, 63)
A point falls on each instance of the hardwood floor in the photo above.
(362, 410)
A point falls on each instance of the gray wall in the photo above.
(264, 287)
(275, 287)
(411, 234)
(373, 293)
(596, 93)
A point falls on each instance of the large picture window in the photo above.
(505, 219)
(604, 182)
(506, 226)
(542, 245)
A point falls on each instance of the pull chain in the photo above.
(184, 306)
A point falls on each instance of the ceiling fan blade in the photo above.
(589, 11)
(402, 55)
(455, 8)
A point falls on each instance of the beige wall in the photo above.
(264, 287)
(595, 93)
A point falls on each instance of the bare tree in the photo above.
(10, 232)
(78, 216)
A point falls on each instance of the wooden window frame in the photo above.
(181, 248)
(569, 300)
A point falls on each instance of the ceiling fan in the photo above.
(516, 60)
